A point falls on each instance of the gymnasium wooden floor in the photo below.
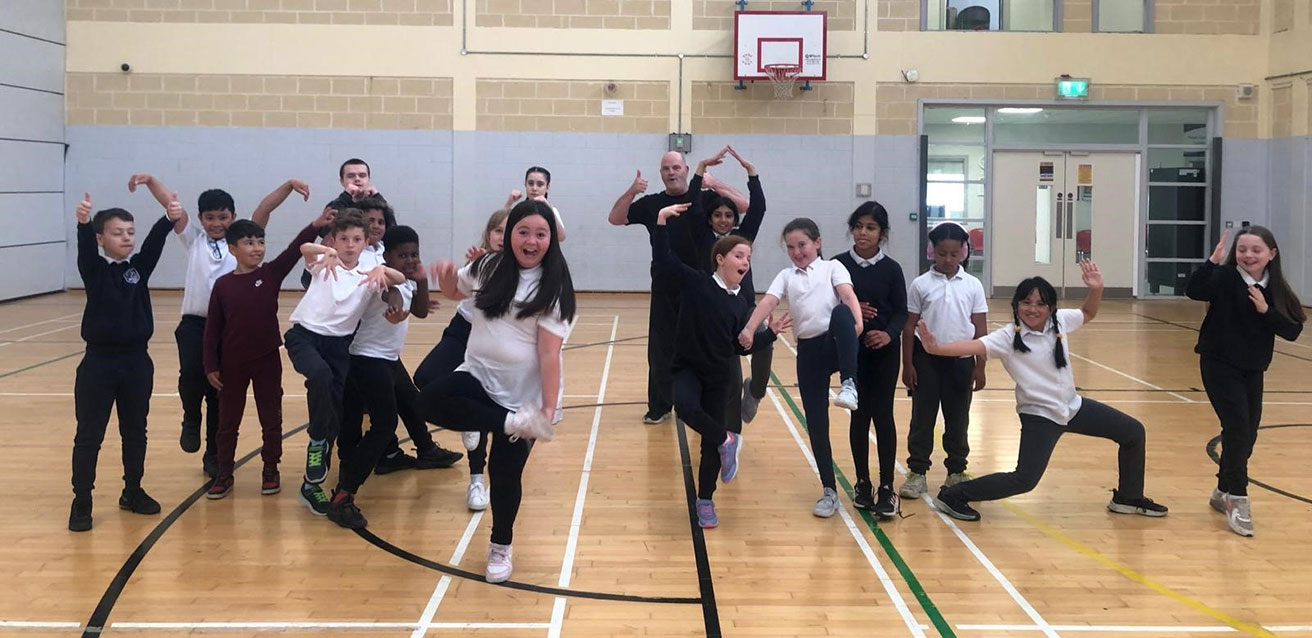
(604, 545)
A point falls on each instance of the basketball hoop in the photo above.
(783, 76)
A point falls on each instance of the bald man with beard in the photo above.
(664, 312)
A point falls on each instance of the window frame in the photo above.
(1057, 16)
(1149, 17)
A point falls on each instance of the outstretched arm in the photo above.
(276, 197)
(1093, 280)
(619, 213)
(970, 348)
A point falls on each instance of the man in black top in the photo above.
(116, 369)
(664, 311)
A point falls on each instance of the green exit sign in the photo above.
(1072, 88)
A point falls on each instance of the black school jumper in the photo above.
(883, 286)
(706, 352)
(703, 241)
(116, 369)
(1235, 344)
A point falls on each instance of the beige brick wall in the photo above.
(895, 103)
(258, 101)
(1282, 110)
(405, 12)
(1282, 16)
(897, 15)
(717, 107)
(571, 106)
(717, 15)
(573, 14)
(1236, 17)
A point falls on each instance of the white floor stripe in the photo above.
(39, 334)
(38, 323)
(439, 592)
(38, 624)
(889, 586)
(1132, 378)
(576, 522)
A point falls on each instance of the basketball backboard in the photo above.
(763, 38)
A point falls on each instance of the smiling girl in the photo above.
(1249, 303)
(1033, 350)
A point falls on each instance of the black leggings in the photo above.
(442, 360)
(817, 359)
(1236, 396)
(459, 402)
(876, 384)
(369, 379)
(761, 362)
(193, 387)
(700, 403)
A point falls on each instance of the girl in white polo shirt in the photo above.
(826, 322)
(509, 382)
(1033, 350)
(952, 303)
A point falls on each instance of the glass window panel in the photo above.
(1177, 165)
(1183, 203)
(1176, 240)
(1121, 15)
(948, 162)
(955, 201)
(1169, 126)
(954, 125)
(989, 15)
(1169, 278)
(1066, 126)
(1043, 225)
(1027, 15)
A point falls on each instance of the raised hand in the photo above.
(300, 188)
(137, 180)
(375, 278)
(673, 210)
(639, 184)
(84, 209)
(1091, 275)
(784, 323)
(714, 160)
(1258, 299)
(417, 272)
(442, 270)
(474, 252)
(353, 191)
(513, 197)
(174, 210)
(328, 265)
(326, 217)
(747, 166)
(1218, 253)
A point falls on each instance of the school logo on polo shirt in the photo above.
(259, 282)
(131, 276)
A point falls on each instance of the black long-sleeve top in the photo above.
(706, 335)
(704, 238)
(1233, 330)
(118, 316)
(883, 286)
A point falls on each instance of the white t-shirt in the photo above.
(503, 352)
(207, 260)
(1042, 389)
(371, 256)
(811, 294)
(946, 303)
(378, 337)
(333, 307)
(465, 308)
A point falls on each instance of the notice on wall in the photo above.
(1045, 171)
(612, 108)
(1086, 175)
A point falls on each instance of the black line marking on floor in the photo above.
(603, 343)
(1193, 329)
(710, 613)
(38, 365)
(1211, 451)
(602, 405)
(100, 616)
(540, 589)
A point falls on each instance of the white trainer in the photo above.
(846, 398)
(498, 563)
(476, 497)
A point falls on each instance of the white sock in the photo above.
(475, 478)
(509, 417)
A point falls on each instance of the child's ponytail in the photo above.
(1017, 343)
(1058, 349)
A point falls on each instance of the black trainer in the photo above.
(137, 501)
(862, 497)
(314, 498)
(209, 464)
(436, 458)
(79, 516)
(1142, 506)
(395, 463)
(345, 513)
(190, 439)
(887, 502)
(955, 506)
(652, 417)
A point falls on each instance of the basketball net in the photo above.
(783, 77)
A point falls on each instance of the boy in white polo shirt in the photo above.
(1033, 349)
(208, 259)
(317, 342)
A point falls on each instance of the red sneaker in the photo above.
(270, 483)
(219, 488)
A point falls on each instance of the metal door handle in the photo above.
(1070, 219)
(1059, 216)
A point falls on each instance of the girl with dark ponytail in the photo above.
(1033, 350)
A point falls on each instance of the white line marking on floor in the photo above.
(76, 314)
(39, 624)
(1132, 378)
(889, 586)
(576, 522)
(39, 334)
(439, 592)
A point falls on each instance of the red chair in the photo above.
(977, 240)
(1084, 241)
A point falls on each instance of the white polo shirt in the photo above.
(378, 337)
(333, 307)
(371, 256)
(207, 260)
(1042, 389)
(811, 294)
(503, 352)
(946, 303)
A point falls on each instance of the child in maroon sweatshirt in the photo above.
(242, 338)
